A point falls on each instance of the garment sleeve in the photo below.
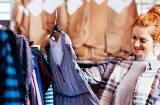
(157, 102)
(95, 75)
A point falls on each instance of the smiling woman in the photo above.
(146, 34)
(142, 42)
(133, 80)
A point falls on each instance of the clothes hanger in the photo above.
(2, 27)
(55, 27)
(31, 43)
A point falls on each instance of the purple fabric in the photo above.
(70, 88)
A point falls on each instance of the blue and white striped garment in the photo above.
(49, 100)
(9, 91)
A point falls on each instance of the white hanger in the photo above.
(2, 27)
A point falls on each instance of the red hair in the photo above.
(151, 18)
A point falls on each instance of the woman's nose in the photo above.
(137, 43)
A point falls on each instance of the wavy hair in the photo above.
(151, 18)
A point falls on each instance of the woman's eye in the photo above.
(143, 40)
(134, 37)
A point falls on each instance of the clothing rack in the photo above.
(22, 65)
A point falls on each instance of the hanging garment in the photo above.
(119, 27)
(38, 77)
(45, 76)
(26, 58)
(93, 27)
(26, 23)
(49, 99)
(17, 62)
(69, 86)
(9, 87)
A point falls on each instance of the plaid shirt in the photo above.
(110, 74)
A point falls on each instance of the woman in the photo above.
(136, 79)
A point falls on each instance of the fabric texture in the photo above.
(38, 53)
(49, 99)
(45, 76)
(32, 94)
(17, 62)
(125, 91)
(27, 62)
(114, 70)
(69, 86)
(38, 77)
(37, 92)
(9, 93)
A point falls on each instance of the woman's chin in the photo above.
(137, 54)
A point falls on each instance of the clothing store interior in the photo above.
(45, 44)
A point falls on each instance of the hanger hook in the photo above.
(56, 17)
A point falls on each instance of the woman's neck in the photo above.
(147, 57)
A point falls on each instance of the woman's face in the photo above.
(142, 42)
